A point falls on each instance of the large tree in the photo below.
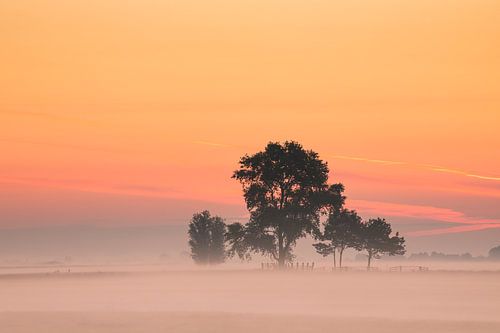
(377, 240)
(206, 238)
(342, 230)
(286, 190)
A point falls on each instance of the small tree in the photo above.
(326, 249)
(377, 240)
(342, 231)
(206, 238)
(494, 253)
(286, 190)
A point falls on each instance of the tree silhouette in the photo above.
(377, 240)
(342, 230)
(206, 238)
(494, 253)
(285, 188)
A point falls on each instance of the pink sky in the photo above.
(117, 114)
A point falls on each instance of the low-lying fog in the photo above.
(145, 299)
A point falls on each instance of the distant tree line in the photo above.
(288, 196)
(438, 256)
(494, 254)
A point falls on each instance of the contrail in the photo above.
(460, 172)
(362, 159)
(430, 167)
(213, 144)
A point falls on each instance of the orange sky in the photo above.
(157, 100)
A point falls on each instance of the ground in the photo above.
(249, 301)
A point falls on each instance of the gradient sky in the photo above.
(136, 112)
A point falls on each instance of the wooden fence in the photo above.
(409, 269)
(305, 266)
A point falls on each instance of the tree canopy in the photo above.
(342, 230)
(286, 190)
(377, 240)
(206, 238)
(494, 253)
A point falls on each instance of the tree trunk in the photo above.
(335, 258)
(369, 260)
(281, 252)
(341, 252)
(281, 262)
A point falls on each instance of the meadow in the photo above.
(247, 300)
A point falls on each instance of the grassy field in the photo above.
(250, 301)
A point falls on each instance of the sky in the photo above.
(122, 113)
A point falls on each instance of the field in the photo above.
(249, 301)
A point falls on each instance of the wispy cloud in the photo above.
(454, 230)
(366, 207)
(64, 145)
(362, 159)
(415, 211)
(57, 116)
(93, 187)
(460, 172)
(429, 167)
(117, 189)
(467, 223)
(213, 144)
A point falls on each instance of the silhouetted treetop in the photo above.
(342, 230)
(377, 240)
(206, 238)
(285, 189)
(287, 177)
(494, 253)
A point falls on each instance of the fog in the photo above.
(87, 279)
(242, 298)
(87, 244)
(143, 280)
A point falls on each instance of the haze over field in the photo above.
(250, 301)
